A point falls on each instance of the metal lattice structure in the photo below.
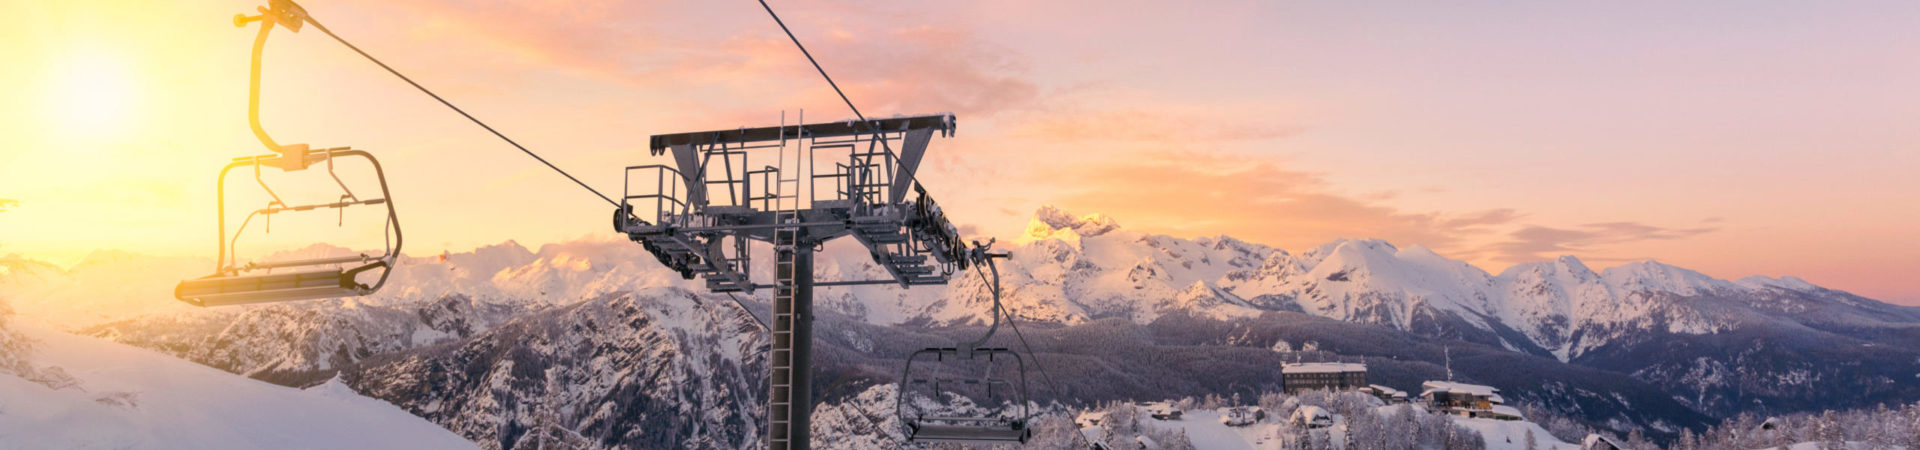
(703, 211)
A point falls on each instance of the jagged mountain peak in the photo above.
(508, 248)
(1650, 275)
(1788, 282)
(1317, 254)
(107, 256)
(15, 269)
(1412, 266)
(1565, 265)
(1420, 254)
(311, 251)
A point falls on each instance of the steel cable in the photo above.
(463, 113)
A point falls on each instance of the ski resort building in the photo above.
(1448, 394)
(1240, 416)
(1300, 377)
(1598, 442)
(1311, 417)
(1161, 410)
(1386, 394)
(1470, 400)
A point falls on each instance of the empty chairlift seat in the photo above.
(968, 430)
(224, 290)
(237, 283)
(1004, 397)
(978, 372)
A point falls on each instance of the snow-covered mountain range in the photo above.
(1072, 269)
(474, 340)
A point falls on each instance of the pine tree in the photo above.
(1687, 441)
(1638, 441)
(1829, 432)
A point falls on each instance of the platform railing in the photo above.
(669, 208)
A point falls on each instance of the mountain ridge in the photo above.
(1715, 345)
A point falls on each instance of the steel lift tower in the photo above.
(712, 201)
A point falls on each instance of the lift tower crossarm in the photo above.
(944, 123)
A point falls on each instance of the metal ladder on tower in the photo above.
(782, 362)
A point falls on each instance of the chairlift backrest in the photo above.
(234, 283)
(1006, 424)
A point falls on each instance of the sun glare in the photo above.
(93, 95)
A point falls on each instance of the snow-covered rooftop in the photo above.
(1159, 407)
(1460, 388)
(1323, 367)
(1387, 391)
(1309, 413)
(1593, 441)
(1506, 411)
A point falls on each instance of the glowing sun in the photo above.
(92, 95)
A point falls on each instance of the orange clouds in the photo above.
(1140, 124)
(886, 65)
(581, 35)
(1194, 193)
(1534, 243)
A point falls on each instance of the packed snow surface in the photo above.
(1204, 429)
(129, 398)
(1512, 434)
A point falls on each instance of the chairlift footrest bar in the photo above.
(245, 289)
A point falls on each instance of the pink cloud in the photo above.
(886, 66)
(1195, 193)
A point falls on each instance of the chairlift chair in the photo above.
(234, 283)
(999, 427)
(983, 429)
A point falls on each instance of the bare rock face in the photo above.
(653, 369)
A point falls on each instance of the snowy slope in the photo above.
(104, 286)
(1205, 430)
(133, 398)
(1512, 435)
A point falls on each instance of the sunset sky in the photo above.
(1735, 138)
